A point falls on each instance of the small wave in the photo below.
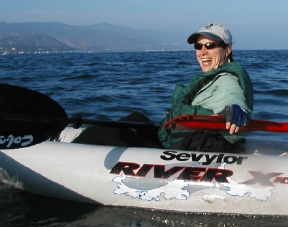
(81, 77)
(10, 181)
(184, 63)
(26, 79)
(275, 92)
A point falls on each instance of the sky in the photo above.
(254, 24)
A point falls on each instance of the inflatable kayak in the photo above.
(254, 183)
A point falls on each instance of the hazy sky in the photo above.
(254, 24)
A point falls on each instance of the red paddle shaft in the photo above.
(206, 122)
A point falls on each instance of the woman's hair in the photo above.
(224, 45)
(230, 57)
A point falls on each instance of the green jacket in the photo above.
(209, 93)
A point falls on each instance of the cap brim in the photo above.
(193, 38)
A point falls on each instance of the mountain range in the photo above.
(104, 37)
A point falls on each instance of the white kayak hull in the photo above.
(152, 178)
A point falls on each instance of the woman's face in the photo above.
(212, 58)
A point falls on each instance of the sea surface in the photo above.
(113, 85)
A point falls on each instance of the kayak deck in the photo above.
(253, 146)
(186, 181)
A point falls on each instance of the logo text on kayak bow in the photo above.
(22, 140)
(207, 158)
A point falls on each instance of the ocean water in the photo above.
(113, 85)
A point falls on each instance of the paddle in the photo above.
(206, 122)
(28, 117)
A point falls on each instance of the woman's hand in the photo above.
(236, 117)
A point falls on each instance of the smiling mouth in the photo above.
(206, 61)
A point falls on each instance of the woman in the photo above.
(224, 88)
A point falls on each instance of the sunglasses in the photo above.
(209, 46)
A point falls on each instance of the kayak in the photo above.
(254, 183)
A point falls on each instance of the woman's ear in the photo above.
(228, 50)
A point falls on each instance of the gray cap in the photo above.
(214, 31)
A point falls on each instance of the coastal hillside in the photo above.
(60, 37)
